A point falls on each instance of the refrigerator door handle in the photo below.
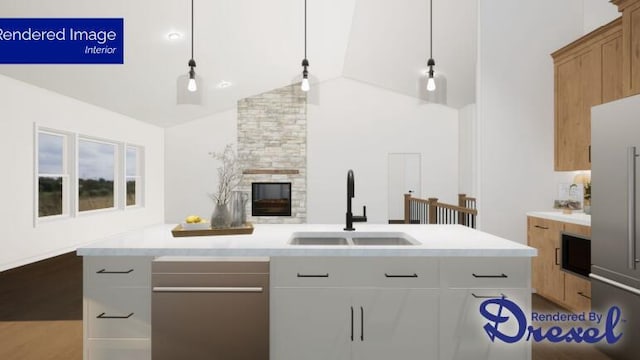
(615, 284)
(631, 203)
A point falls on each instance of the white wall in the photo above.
(355, 127)
(22, 105)
(467, 167)
(515, 107)
(190, 172)
(598, 13)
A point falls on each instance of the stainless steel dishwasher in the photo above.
(210, 308)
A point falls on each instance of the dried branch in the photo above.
(229, 174)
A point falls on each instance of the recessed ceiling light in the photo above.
(174, 35)
(224, 84)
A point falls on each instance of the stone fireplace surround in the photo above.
(272, 147)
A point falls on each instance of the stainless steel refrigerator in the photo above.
(615, 269)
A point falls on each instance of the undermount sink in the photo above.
(381, 241)
(318, 241)
(353, 238)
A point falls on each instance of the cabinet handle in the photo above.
(352, 323)
(589, 154)
(631, 207)
(361, 323)
(313, 275)
(104, 271)
(489, 276)
(205, 289)
(541, 227)
(414, 275)
(583, 295)
(557, 261)
(488, 296)
(105, 316)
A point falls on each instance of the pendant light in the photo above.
(431, 82)
(192, 85)
(304, 86)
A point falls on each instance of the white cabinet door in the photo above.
(398, 324)
(461, 325)
(311, 324)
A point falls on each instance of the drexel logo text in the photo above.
(502, 311)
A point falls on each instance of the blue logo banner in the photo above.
(61, 41)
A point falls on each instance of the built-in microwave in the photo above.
(576, 254)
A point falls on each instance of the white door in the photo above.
(398, 324)
(404, 176)
(311, 324)
(461, 326)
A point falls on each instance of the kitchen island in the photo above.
(418, 300)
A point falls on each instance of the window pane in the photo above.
(49, 196)
(131, 192)
(50, 153)
(132, 161)
(95, 175)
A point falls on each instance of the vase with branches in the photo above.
(229, 176)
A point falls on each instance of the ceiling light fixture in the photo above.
(192, 85)
(224, 84)
(174, 35)
(431, 82)
(304, 86)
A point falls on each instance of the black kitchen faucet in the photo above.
(350, 194)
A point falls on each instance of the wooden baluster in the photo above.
(407, 208)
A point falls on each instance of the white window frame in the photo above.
(138, 178)
(71, 181)
(117, 168)
(66, 175)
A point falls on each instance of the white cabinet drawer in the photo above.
(394, 272)
(485, 272)
(101, 271)
(138, 349)
(118, 313)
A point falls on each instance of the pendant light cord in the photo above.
(431, 27)
(305, 29)
(191, 29)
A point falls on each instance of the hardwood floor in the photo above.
(41, 315)
(559, 351)
(41, 310)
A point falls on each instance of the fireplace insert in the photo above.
(270, 199)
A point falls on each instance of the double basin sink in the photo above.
(353, 239)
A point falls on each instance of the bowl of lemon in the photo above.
(195, 222)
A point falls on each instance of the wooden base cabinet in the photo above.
(548, 279)
(577, 293)
(547, 275)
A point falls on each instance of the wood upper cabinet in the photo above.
(630, 45)
(588, 72)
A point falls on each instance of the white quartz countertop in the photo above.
(272, 240)
(578, 218)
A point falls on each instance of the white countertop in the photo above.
(578, 218)
(272, 240)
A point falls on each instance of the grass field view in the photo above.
(92, 195)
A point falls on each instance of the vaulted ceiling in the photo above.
(257, 45)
